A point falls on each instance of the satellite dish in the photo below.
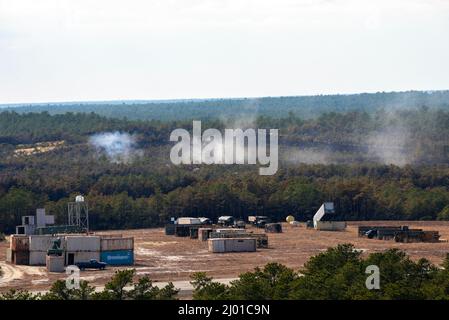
(290, 219)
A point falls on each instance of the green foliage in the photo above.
(330, 274)
(149, 190)
(59, 291)
(337, 274)
(206, 289)
(273, 282)
(444, 214)
(14, 294)
(115, 288)
(144, 290)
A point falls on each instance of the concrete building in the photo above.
(31, 223)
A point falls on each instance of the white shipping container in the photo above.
(83, 243)
(78, 256)
(241, 245)
(229, 230)
(107, 236)
(38, 258)
(188, 220)
(216, 245)
(111, 244)
(42, 242)
(232, 245)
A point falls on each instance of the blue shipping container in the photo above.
(118, 258)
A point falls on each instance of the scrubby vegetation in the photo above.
(355, 159)
(115, 289)
(337, 274)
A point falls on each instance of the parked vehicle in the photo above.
(226, 221)
(240, 224)
(261, 221)
(91, 264)
(205, 221)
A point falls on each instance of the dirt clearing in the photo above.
(169, 258)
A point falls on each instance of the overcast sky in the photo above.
(61, 50)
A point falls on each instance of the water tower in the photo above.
(79, 213)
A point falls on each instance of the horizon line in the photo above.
(180, 100)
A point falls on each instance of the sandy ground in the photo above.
(168, 258)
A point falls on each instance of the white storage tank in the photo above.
(82, 243)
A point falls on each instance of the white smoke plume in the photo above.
(118, 147)
(306, 156)
(391, 145)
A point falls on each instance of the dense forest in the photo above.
(302, 106)
(373, 165)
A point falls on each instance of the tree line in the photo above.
(148, 190)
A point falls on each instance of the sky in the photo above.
(85, 50)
